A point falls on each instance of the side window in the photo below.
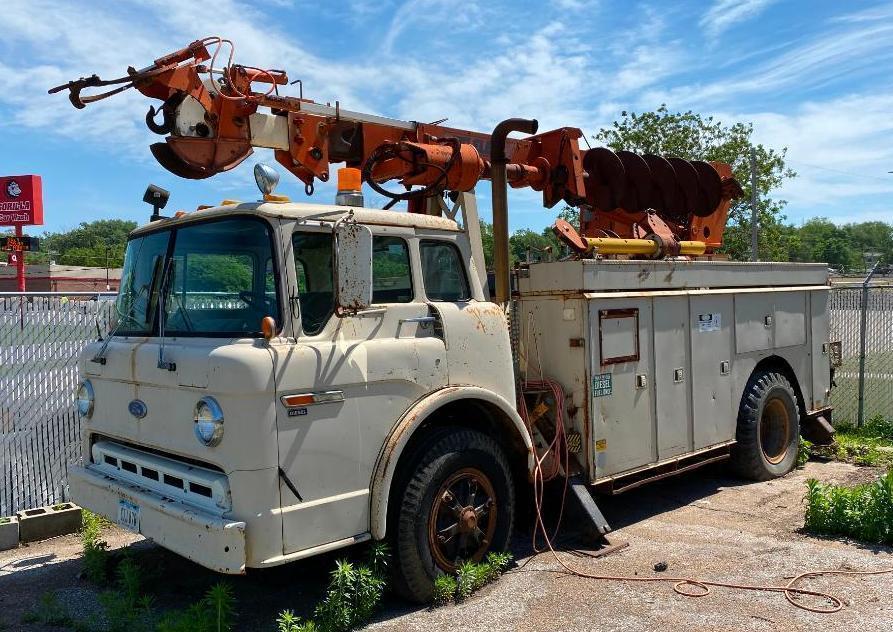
(313, 265)
(391, 278)
(443, 272)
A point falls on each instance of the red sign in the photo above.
(21, 200)
(13, 258)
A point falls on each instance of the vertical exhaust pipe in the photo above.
(499, 193)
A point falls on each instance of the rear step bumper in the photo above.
(209, 540)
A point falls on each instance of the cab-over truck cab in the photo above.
(260, 401)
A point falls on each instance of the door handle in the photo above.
(420, 319)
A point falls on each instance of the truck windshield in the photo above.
(214, 278)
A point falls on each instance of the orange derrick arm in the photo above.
(212, 118)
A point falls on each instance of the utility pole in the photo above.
(754, 212)
(107, 286)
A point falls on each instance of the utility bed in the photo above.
(655, 355)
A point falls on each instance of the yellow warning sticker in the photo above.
(601, 445)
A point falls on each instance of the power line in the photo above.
(847, 173)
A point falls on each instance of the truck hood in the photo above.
(237, 373)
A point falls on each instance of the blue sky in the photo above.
(811, 76)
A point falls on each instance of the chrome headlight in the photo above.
(85, 399)
(208, 419)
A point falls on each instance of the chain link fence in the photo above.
(858, 312)
(41, 336)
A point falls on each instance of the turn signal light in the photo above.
(305, 399)
(268, 327)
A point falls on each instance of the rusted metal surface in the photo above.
(463, 519)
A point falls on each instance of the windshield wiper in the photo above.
(162, 300)
(99, 358)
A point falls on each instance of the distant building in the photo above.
(55, 278)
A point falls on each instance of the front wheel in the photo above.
(455, 506)
(768, 428)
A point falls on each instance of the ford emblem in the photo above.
(138, 408)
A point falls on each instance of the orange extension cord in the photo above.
(560, 459)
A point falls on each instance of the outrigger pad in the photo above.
(587, 504)
(817, 430)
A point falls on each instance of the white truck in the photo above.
(287, 379)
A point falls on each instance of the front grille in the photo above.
(187, 483)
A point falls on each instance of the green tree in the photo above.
(822, 240)
(871, 237)
(90, 244)
(487, 242)
(692, 136)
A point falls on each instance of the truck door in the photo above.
(622, 384)
(341, 384)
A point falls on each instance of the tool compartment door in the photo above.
(621, 384)
(715, 416)
(672, 376)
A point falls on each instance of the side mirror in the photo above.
(353, 266)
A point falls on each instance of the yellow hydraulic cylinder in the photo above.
(646, 247)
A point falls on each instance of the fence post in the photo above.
(862, 327)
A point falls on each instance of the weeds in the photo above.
(96, 556)
(872, 444)
(354, 592)
(48, 612)
(288, 622)
(470, 577)
(863, 512)
(804, 452)
(213, 613)
(444, 590)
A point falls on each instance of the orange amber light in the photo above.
(268, 326)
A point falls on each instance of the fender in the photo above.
(392, 449)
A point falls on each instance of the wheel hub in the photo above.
(462, 519)
(774, 429)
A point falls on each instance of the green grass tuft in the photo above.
(863, 512)
(96, 557)
(470, 577)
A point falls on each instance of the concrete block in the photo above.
(48, 522)
(9, 532)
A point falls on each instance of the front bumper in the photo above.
(206, 539)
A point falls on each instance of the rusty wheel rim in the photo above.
(775, 425)
(462, 520)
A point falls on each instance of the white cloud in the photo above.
(724, 14)
(841, 149)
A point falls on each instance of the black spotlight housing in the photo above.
(157, 197)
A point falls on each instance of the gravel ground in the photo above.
(703, 524)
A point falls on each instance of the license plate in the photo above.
(129, 516)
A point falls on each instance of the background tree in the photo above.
(692, 136)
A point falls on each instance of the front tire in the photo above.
(455, 506)
(768, 428)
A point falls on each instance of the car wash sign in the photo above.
(21, 200)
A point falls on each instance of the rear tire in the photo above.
(768, 428)
(456, 505)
